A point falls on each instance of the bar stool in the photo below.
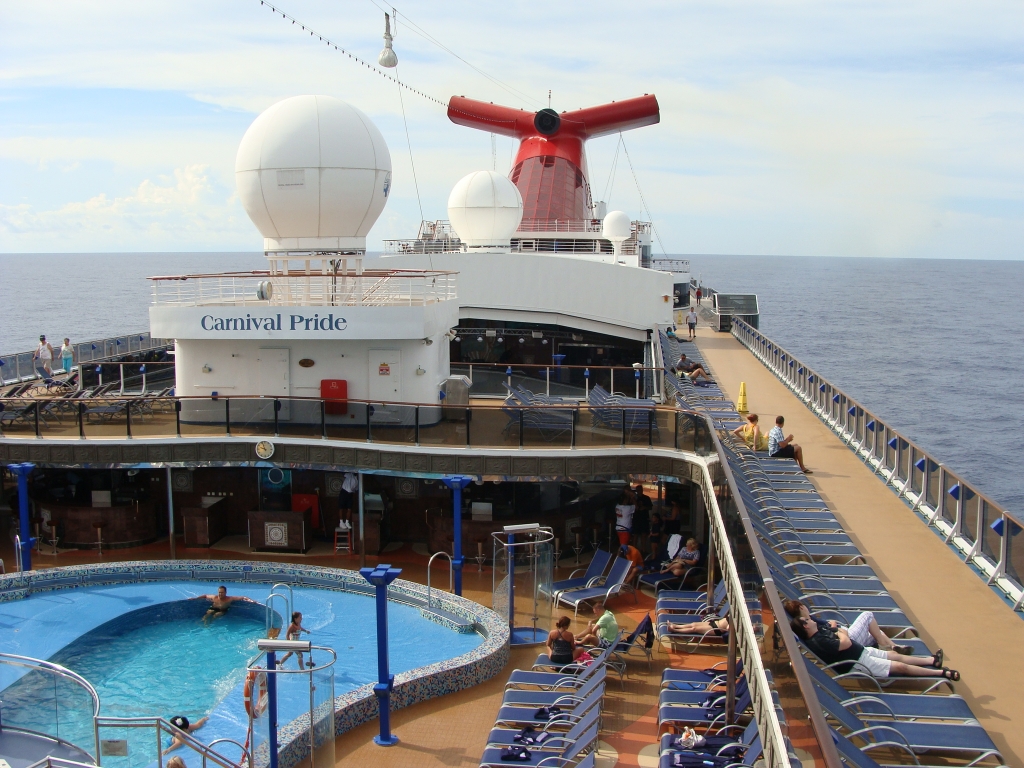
(343, 539)
(52, 525)
(480, 558)
(577, 547)
(595, 532)
(38, 521)
(99, 525)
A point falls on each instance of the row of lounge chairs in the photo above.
(542, 413)
(905, 720)
(811, 558)
(550, 715)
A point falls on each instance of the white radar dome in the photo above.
(485, 209)
(617, 226)
(313, 173)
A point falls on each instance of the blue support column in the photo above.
(380, 577)
(457, 483)
(271, 706)
(28, 542)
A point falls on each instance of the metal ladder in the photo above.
(451, 574)
(289, 606)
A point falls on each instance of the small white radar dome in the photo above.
(485, 209)
(617, 226)
(313, 173)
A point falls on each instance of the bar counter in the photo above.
(123, 526)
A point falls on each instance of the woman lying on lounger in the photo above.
(720, 626)
(834, 645)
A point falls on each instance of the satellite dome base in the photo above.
(348, 244)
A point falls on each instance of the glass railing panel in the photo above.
(597, 428)
(204, 417)
(346, 421)
(252, 416)
(686, 438)
(991, 542)
(18, 417)
(105, 418)
(933, 492)
(665, 426)
(548, 427)
(1014, 551)
(947, 508)
(969, 527)
(152, 417)
(491, 426)
(393, 423)
(299, 418)
(443, 425)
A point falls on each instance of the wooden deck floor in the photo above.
(949, 603)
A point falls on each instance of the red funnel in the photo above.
(551, 166)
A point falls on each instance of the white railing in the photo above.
(982, 531)
(371, 288)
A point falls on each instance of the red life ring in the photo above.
(255, 705)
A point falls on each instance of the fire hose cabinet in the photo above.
(335, 394)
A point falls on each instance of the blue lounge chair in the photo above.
(587, 741)
(669, 714)
(575, 676)
(898, 706)
(966, 741)
(614, 584)
(564, 699)
(571, 710)
(641, 639)
(697, 679)
(558, 735)
(595, 570)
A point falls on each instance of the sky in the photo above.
(857, 128)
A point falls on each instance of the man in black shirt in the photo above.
(833, 645)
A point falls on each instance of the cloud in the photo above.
(849, 128)
(181, 207)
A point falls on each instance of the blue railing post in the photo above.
(380, 577)
(457, 483)
(271, 706)
(28, 542)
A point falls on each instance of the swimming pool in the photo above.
(145, 649)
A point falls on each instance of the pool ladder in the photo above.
(289, 606)
(451, 573)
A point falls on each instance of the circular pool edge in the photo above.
(351, 709)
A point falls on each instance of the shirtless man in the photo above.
(219, 603)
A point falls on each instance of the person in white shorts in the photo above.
(834, 646)
(863, 630)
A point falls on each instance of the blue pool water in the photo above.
(145, 649)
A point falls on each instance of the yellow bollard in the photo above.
(741, 401)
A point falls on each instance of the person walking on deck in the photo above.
(44, 354)
(691, 323)
(782, 447)
(67, 356)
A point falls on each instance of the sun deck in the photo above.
(953, 608)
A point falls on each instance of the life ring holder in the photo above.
(256, 705)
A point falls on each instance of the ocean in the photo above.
(933, 347)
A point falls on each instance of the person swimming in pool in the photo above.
(219, 603)
(181, 722)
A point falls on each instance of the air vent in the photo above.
(291, 178)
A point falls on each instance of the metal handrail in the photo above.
(451, 574)
(910, 471)
(19, 366)
(162, 727)
(821, 729)
(773, 742)
(17, 553)
(57, 670)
